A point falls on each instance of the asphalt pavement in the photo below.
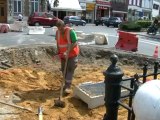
(146, 44)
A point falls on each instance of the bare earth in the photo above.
(39, 85)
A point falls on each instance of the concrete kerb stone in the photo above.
(100, 38)
(18, 26)
(84, 37)
(36, 30)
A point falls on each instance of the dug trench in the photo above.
(33, 78)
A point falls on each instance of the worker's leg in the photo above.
(72, 64)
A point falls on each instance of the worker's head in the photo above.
(60, 25)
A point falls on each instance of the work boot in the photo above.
(67, 91)
(67, 88)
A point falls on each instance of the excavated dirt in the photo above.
(34, 80)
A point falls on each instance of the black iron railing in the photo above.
(113, 87)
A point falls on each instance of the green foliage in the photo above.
(42, 2)
(144, 23)
(56, 3)
(130, 26)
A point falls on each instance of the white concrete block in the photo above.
(21, 23)
(16, 28)
(100, 38)
(92, 93)
(36, 30)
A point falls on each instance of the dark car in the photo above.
(74, 20)
(42, 18)
(100, 21)
(113, 21)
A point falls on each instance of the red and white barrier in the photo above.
(4, 28)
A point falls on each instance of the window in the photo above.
(34, 5)
(130, 2)
(138, 2)
(17, 7)
(155, 6)
(134, 2)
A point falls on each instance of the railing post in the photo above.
(156, 65)
(113, 77)
(145, 68)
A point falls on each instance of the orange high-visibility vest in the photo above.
(64, 42)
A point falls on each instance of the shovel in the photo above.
(59, 102)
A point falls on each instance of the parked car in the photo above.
(113, 21)
(100, 21)
(42, 18)
(74, 20)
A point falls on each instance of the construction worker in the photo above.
(67, 45)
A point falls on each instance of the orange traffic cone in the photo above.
(155, 55)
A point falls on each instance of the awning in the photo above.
(114, 11)
(67, 5)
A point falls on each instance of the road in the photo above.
(146, 45)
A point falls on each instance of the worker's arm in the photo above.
(73, 37)
(56, 42)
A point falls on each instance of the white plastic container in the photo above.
(146, 103)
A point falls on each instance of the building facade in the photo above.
(147, 6)
(135, 9)
(3, 11)
(11, 8)
(90, 9)
(156, 8)
(119, 8)
(104, 8)
(66, 8)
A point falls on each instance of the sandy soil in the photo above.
(38, 87)
(32, 85)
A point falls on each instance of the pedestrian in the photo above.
(155, 22)
(20, 17)
(67, 44)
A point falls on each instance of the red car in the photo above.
(42, 18)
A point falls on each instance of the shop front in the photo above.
(66, 8)
(147, 14)
(118, 11)
(90, 12)
(83, 6)
(102, 9)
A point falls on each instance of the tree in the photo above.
(46, 3)
(43, 2)
(48, 6)
(56, 3)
